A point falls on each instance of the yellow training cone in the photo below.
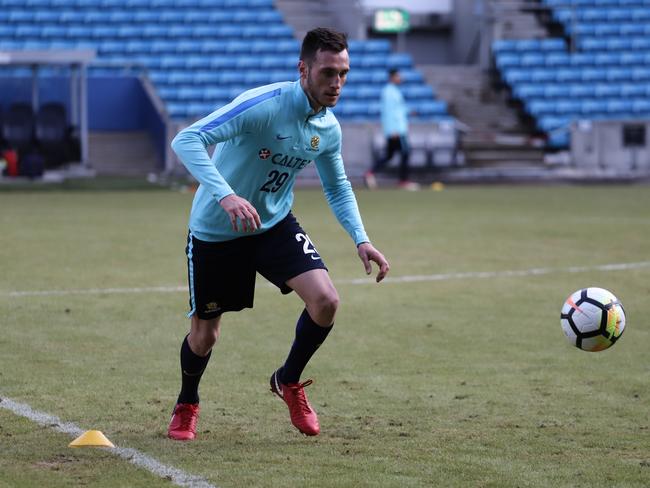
(91, 438)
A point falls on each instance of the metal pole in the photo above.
(74, 94)
(83, 104)
(34, 88)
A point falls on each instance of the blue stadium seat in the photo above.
(549, 123)
(363, 91)
(139, 46)
(566, 106)
(399, 60)
(632, 58)
(641, 73)
(30, 31)
(540, 107)
(376, 46)
(620, 107)
(7, 31)
(545, 74)
(219, 93)
(577, 90)
(530, 45)
(418, 91)
(507, 59)
(20, 16)
(525, 91)
(631, 90)
(532, 59)
(112, 47)
(434, 107)
(164, 46)
(504, 46)
(641, 106)
(607, 90)
(592, 107)
(559, 138)
(558, 58)
(144, 16)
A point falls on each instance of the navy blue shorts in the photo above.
(222, 274)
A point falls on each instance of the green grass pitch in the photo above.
(463, 382)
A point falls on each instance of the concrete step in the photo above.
(486, 154)
(123, 153)
(502, 149)
(471, 99)
(500, 139)
(502, 155)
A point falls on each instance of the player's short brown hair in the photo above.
(323, 39)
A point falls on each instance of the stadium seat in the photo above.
(18, 127)
(52, 135)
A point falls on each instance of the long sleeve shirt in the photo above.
(264, 138)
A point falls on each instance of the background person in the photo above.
(394, 122)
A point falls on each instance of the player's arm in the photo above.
(343, 203)
(191, 145)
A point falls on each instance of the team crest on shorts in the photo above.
(315, 141)
(264, 153)
(211, 307)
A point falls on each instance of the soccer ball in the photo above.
(592, 319)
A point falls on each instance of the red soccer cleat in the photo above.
(182, 426)
(302, 415)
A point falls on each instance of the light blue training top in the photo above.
(394, 112)
(265, 137)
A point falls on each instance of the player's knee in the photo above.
(206, 334)
(326, 304)
(212, 335)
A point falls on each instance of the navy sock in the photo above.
(309, 337)
(192, 367)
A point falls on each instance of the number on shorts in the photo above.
(307, 246)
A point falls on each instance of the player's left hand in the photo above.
(368, 253)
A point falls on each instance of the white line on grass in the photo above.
(175, 475)
(504, 274)
(95, 291)
(357, 281)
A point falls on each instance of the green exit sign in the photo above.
(391, 20)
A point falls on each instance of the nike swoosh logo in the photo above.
(280, 138)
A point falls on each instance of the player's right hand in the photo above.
(240, 209)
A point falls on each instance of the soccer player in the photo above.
(394, 122)
(241, 221)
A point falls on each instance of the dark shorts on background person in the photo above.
(222, 274)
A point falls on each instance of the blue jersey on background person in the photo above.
(394, 112)
(394, 122)
(241, 222)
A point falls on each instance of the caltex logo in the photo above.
(264, 153)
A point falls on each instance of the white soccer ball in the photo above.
(592, 319)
